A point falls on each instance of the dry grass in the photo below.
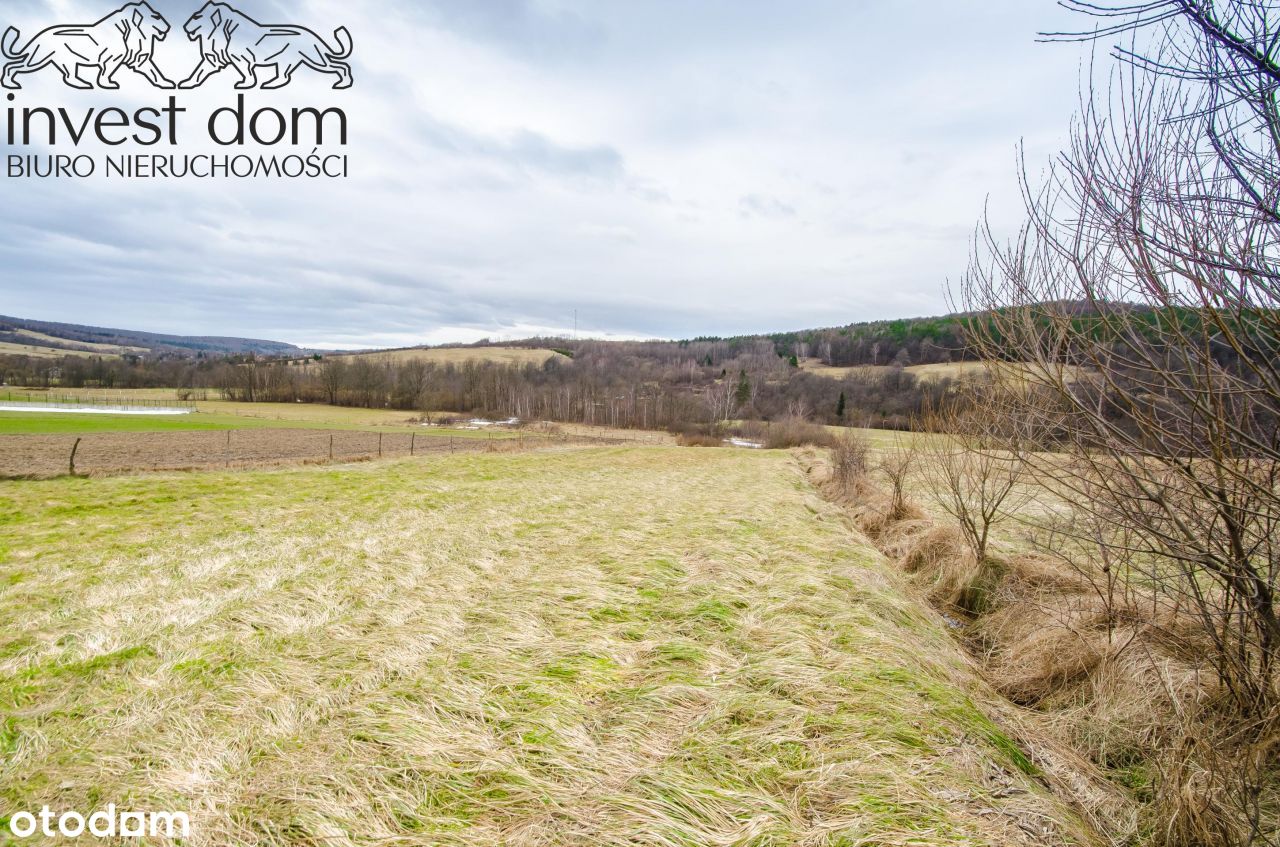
(698, 439)
(311, 412)
(574, 430)
(789, 432)
(41, 351)
(623, 646)
(937, 370)
(91, 346)
(1117, 678)
(954, 370)
(41, 346)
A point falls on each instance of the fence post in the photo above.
(228, 449)
(413, 440)
(331, 447)
(72, 464)
(379, 445)
(450, 444)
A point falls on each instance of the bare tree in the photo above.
(333, 376)
(977, 484)
(1142, 298)
(896, 466)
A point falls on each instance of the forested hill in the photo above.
(50, 337)
(908, 341)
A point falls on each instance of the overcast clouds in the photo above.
(668, 169)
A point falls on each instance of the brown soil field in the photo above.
(41, 456)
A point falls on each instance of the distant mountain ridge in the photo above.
(78, 338)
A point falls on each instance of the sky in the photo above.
(665, 168)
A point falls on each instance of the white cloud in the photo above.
(666, 168)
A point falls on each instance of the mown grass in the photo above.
(622, 646)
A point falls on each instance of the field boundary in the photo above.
(110, 404)
(32, 457)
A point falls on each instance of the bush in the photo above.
(796, 432)
(695, 439)
(850, 460)
(696, 435)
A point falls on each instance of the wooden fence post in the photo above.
(331, 447)
(413, 439)
(74, 448)
(379, 445)
(228, 451)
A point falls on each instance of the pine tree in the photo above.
(743, 392)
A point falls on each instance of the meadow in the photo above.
(954, 370)
(493, 649)
(219, 415)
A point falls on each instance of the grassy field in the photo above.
(41, 346)
(954, 370)
(40, 351)
(644, 646)
(222, 415)
(91, 346)
(35, 423)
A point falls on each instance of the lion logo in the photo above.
(229, 37)
(125, 38)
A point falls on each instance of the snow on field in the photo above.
(87, 410)
(742, 442)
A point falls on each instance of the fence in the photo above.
(58, 402)
(43, 456)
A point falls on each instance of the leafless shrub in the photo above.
(697, 439)
(975, 483)
(850, 461)
(896, 466)
(795, 431)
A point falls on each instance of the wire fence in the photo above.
(45, 456)
(61, 402)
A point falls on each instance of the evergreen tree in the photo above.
(840, 407)
(743, 392)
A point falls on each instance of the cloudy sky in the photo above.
(666, 168)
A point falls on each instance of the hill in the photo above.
(49, 339)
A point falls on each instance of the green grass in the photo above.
(623, 646)
(54, 423)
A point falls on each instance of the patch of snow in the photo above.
(742, 442)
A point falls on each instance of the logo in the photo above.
(104, 823)
(241, 140)
(229, 37)
(126, 38)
